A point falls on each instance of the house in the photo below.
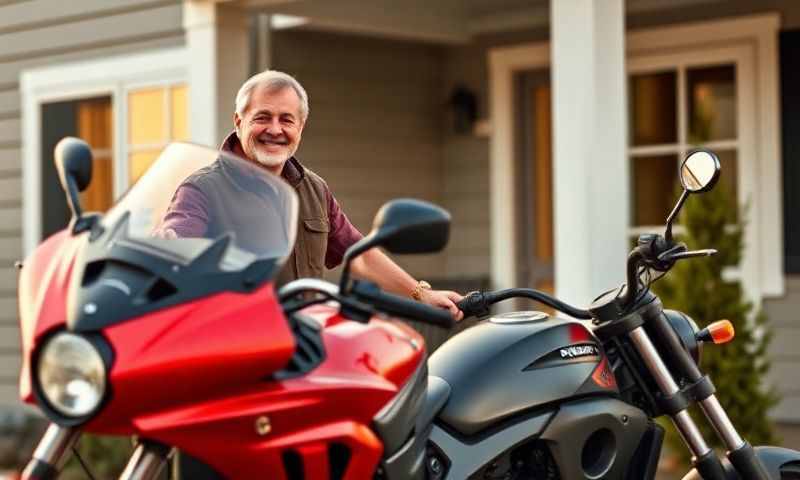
(550, 130)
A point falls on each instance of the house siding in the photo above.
(43, 32)
(374, 131)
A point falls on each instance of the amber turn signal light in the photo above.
(718, 332)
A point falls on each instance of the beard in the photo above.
(269, 160)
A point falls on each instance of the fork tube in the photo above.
(686, 426)
(146, 462)
(717, 416)
(51, 453)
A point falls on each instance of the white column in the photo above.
(591, 181)
(219, 50)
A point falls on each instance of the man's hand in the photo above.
(443, 299)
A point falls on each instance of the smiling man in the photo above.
(271, 111)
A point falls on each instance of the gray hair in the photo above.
(271, 80)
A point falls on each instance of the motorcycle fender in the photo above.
(465, 458)
(775, 459)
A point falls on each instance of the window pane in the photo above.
(180, 127)
(654, 188)
(140, 162)
(146, 117)
(712, 103)
(653, 117)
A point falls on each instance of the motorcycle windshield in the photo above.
(193, 195)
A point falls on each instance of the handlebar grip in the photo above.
(401, 307)
(475, 304)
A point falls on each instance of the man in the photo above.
(271, 111)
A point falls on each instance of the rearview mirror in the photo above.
(403, 226)
(73, 159)
(411, 226)
(700, 171)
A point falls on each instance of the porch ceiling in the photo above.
(441, 21)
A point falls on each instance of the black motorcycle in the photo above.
(525, 395)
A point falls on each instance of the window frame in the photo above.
(114, 77)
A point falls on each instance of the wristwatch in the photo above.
(416, 294)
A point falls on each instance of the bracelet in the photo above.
(416, 294)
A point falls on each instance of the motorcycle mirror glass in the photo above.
(700, 171)
(411, 226)
(403, 226)
(73, 159)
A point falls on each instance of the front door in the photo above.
(535, 181)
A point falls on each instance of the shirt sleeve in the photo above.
(342, 233)
(187, 215)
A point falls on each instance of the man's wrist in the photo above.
(416, 293)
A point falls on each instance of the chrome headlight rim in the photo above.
(103, 349)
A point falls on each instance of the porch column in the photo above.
(590, 174)
(219, 57)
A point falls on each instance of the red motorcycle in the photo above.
(183, 342)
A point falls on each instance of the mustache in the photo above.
(280, 139)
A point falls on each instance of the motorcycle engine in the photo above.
(529, 461)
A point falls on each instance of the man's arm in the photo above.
(375, 266)
(187, 215)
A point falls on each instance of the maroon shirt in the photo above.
(188, 216)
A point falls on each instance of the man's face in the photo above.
(271, 126)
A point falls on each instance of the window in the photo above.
(156, 117)
(127, 108)
(671, 112)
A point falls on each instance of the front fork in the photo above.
(51, 453)
(708, 465)
(146, 463)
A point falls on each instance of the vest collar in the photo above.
(293, 171)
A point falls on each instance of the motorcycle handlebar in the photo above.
(395, 305)
(477, 303)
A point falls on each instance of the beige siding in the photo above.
(10, 163)
(785, 349)
(466, 164)
(374, 129)
(47, 32)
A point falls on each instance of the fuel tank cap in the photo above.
(526, 316)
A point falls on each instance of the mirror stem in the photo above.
(360, 247)
(673, 214)
(74, 198)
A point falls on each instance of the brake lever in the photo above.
(669, 256)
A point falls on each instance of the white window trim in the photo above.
(112, 77)
(759, 32)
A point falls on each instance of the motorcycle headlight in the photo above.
(686, 328)
(71, 375)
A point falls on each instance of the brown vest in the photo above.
(308, 257)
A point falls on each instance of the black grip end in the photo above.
(475, 304)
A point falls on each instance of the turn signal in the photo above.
(718, 332)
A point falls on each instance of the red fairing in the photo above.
(43, 286)
(198, 376)
(204, 386)
(203, 349)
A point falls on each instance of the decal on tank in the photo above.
(580, 353)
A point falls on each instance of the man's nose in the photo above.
(274, 127)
